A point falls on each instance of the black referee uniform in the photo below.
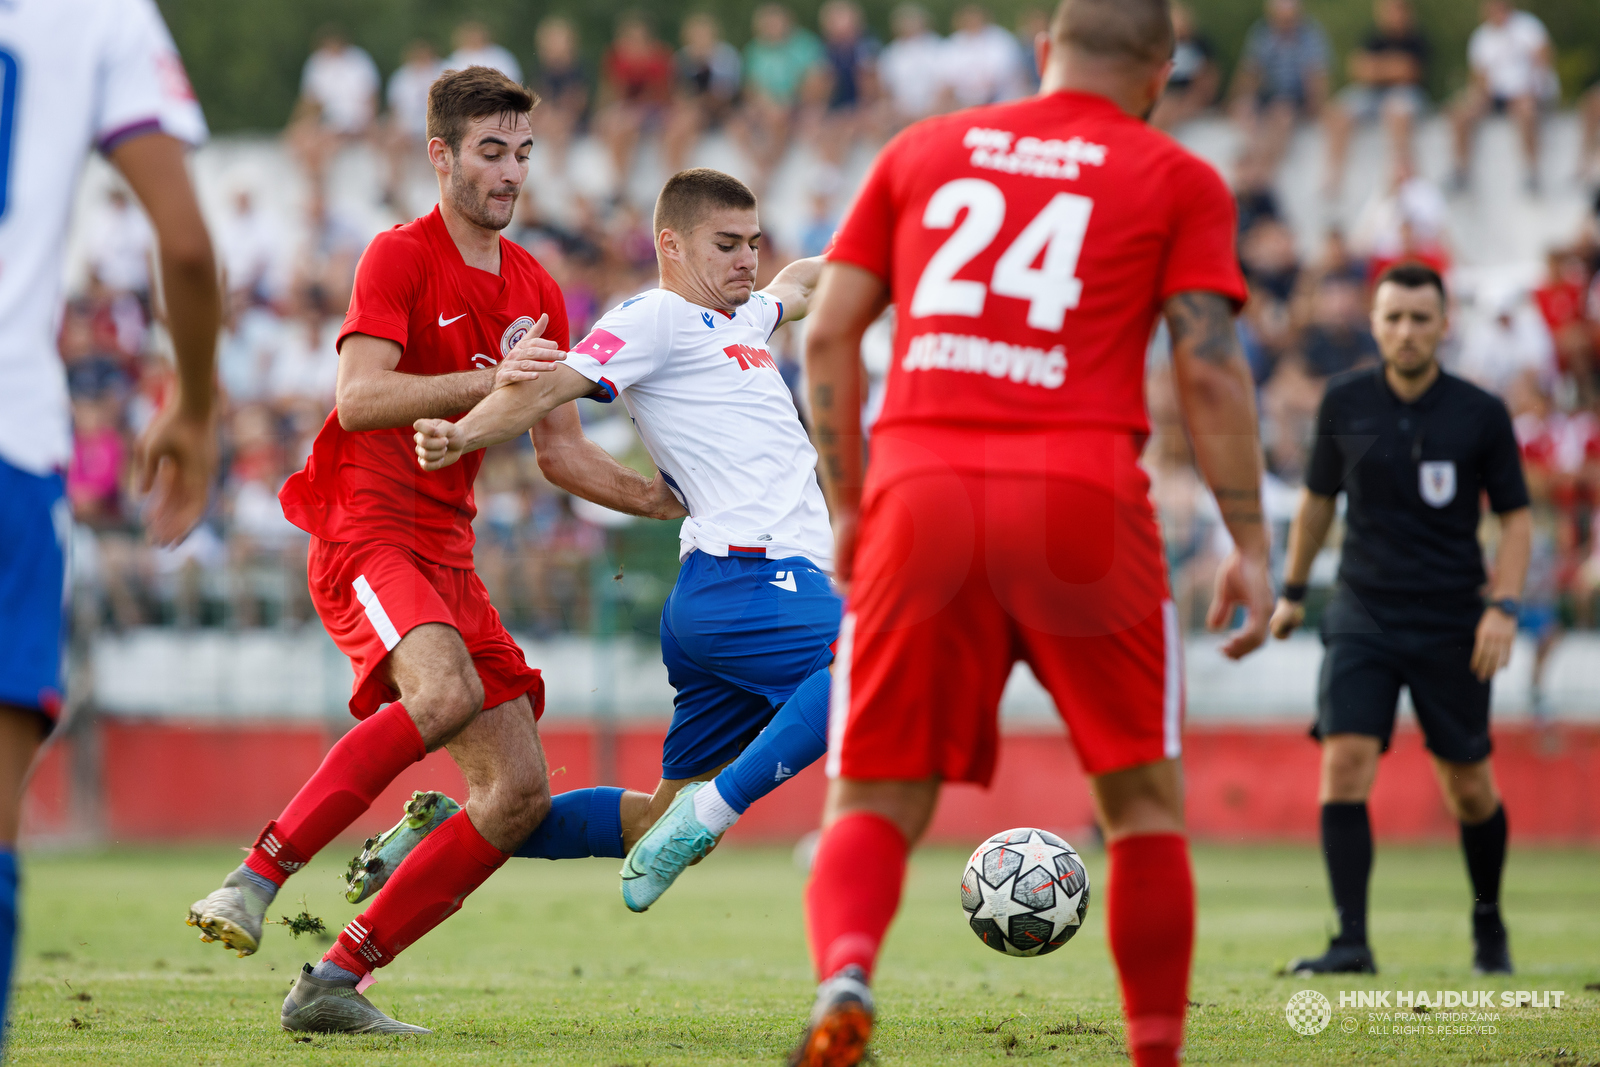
(1409, 599)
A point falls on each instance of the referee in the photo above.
(1414, 449)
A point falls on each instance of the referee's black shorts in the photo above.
(1359, 689)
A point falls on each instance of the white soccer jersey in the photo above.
(74, 75)
(717, 417)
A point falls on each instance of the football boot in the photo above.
(677, 840)
(332, 1006)
(1491, 947)
(1339, 959)
(233, 915)
(840, 1024)
(379, 857)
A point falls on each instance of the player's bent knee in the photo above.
(445, 706)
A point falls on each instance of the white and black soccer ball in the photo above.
(1025, 892)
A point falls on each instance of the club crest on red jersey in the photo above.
(514, 333)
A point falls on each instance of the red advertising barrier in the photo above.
(171, 782)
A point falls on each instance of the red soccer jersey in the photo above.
(413, 288)
(1029, 247)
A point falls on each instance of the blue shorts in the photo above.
(34, 525)
(738, 635)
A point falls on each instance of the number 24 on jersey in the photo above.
(1051, 289)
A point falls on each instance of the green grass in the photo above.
(545, 966)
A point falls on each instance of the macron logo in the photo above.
(601, 345)
(786, 581)
(751, 357)
(783, 772)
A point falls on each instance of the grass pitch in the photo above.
(546, 966)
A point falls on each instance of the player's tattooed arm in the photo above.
(1217, 395)
(794, 285)
(574, 463)
(1204, 323)
(848, 300)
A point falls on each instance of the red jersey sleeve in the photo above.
(1202, 255)
(558, 329)
(388, 281)
(866, 236)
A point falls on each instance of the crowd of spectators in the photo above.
(828, 91)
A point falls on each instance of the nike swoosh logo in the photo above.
(445, 322)
(786, 581)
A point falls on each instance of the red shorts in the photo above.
(957, 576)
(370, 594)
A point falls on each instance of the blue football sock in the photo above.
(796, 737)
(8, 934)
(583, 822)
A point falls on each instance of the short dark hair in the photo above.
(1136, 31)
(1414, 275)
(689, 194)
(458, 97)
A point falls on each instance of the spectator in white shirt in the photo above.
(982, 63)
(338, 101)
(476, 48)
(407, 94)
(407, 132)
(120, 255)
(254, 254)
(1589, 150)
(911, 67)
(1511, 74)
(1509, 341)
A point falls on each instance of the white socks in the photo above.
(712, 811)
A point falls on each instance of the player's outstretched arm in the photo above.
(581, 467)
(505, 413)
(794, 285)
(848, 300)
(1312, 520)
(177, 455)
(1217, 395)
(372, 395)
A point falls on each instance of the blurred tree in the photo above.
(244, 56)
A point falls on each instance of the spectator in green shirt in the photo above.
(784, 70)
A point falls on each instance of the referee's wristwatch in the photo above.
(1507, 605)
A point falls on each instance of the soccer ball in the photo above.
(1025, 892)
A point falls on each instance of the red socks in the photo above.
(855, 890)
(1150, 924)
(426, 889)
(353, 773)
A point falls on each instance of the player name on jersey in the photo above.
(979, 355)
